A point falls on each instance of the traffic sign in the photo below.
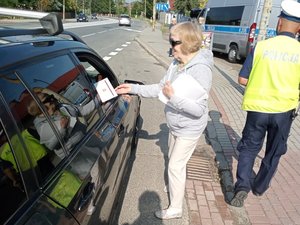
(162, 7)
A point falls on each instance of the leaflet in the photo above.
(105, 90)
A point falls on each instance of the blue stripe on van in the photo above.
(271, 32)
(227, 29)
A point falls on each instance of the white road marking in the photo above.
(113, 53)
(128, 29)
(87, 35)
(106, 58)
(119, 49)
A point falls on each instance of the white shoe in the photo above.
(91, 210)
(169, 213)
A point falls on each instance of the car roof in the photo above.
(18, 45)
(36, 47)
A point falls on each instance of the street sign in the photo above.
(162, 7)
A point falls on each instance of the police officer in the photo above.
(271, 74)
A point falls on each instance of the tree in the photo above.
(9, 3)
(103, 6)
(44, 5)
(185, 6)
(137, 8)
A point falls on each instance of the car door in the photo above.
(118, 130)
(87, 158)
(26, 165)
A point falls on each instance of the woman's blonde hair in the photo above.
(190, 35)
(32, 108)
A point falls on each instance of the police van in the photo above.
(235, 24)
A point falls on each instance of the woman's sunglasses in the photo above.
(49, 99)
(174, 43)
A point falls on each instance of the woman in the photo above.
(186, 117)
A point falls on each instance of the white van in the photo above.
(235, 24)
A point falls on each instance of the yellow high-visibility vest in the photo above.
(36, 151)
(273, 84)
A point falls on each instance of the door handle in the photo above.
(86, 196)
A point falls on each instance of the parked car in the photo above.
(94, 16)
(64, 153)
(124, 20)
(82, 18)
(182, 18)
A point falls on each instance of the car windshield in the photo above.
(124, 16)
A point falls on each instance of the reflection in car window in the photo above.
(40, 157)
(61, 78)
(12, 192)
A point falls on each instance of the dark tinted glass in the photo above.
(27, 146)
(196, 13)
(12, 192)
(225, 15)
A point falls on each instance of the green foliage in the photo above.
(137, 8)
(203, 3)
(27, 4)
(56, 5)
(103, 6)
(185, 6)
(9, 3)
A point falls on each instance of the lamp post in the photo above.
(154, 15)
(264, 20)
(145, 8)
(64, 9)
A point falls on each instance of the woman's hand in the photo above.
(168, 90)
(123, 89)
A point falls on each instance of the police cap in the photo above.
(290, 10)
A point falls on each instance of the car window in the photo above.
(96, 71)
(60, 77)
(12, 191)
(58, 107)
(30, 147)
(124, 16)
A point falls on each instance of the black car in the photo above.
(82, 18)
(64, 152)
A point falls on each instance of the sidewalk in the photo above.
(211, 170)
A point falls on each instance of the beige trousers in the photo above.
(180, 151)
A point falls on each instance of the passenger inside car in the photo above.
(70, 129)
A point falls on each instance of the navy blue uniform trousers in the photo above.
(277, 127)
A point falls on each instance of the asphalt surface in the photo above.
(211, 170)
